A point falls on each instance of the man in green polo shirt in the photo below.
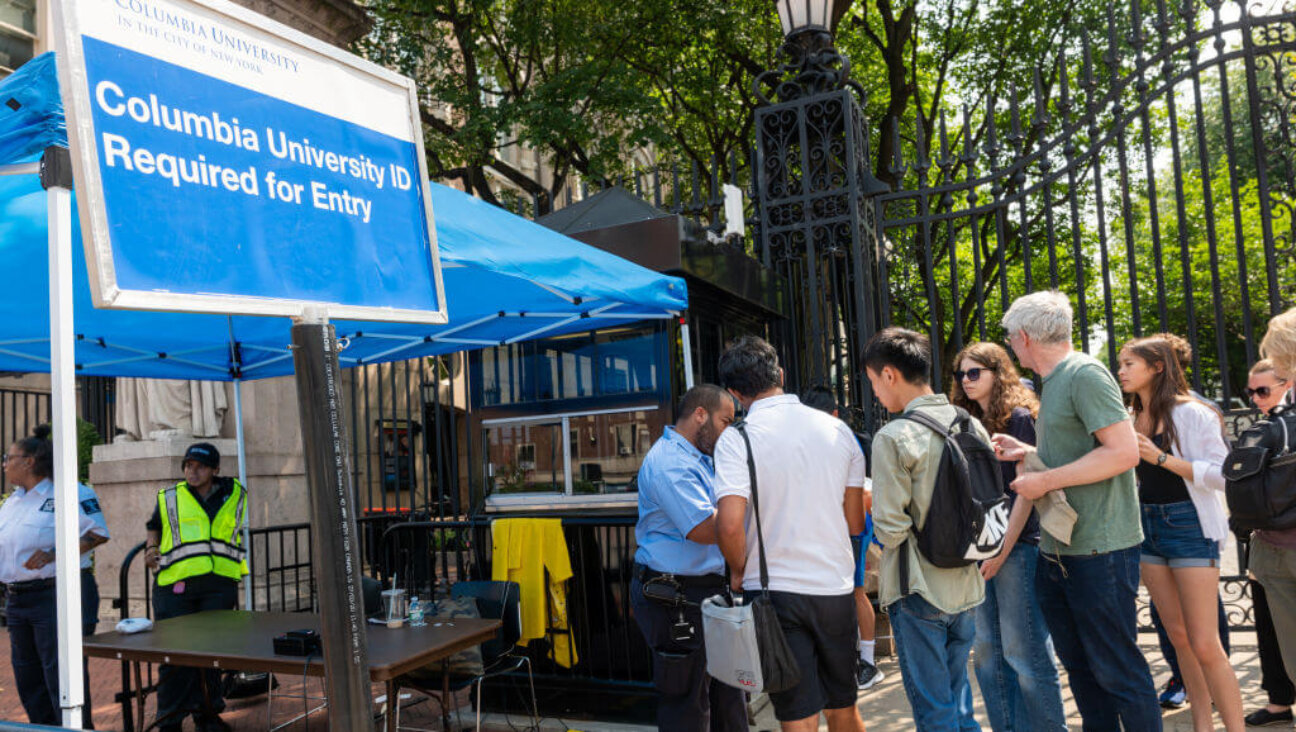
(1086, 588)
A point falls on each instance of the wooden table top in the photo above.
(243, 641)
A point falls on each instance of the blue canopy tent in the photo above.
(506, 280)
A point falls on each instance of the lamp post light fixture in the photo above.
(811, 63)
(816, 196)
(805, 15)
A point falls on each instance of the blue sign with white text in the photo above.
(211, 188)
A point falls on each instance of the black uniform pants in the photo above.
(689, 699)
(1274, 677)
(32, 617)
(180, 689)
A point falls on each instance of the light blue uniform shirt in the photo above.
(676, 493)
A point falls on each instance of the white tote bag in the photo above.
(733, 655)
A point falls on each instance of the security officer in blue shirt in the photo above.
(27, 570)
(678, 564)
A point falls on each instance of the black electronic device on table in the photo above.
(297, 643)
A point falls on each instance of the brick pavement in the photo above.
(884, 707)
(245, 715)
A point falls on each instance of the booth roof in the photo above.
(506, 279)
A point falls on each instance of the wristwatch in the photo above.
(1162, 458)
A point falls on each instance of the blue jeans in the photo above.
(933, 649)
(1014, 654)
(1088, 603)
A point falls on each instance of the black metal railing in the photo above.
(133, 606)
(20, 412)
(429, 556)
(281, 574)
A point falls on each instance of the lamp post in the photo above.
(817, 210)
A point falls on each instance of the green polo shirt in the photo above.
(1078, 398)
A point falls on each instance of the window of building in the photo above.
(17, 34)
(604, 449)
(610, 362)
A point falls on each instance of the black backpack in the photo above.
(1260, 474)
(968, 517)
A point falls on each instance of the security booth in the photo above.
(562, 425)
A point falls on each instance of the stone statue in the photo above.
(153, 409)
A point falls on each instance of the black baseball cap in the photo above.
(203, 452)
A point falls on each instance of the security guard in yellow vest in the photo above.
(195, 546)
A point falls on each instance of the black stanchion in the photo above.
(336, 539)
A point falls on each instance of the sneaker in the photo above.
(866, 675)
(1265, 718)
(1173, 695)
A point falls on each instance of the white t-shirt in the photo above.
(805, 459)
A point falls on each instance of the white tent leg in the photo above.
(242, 458)
(63, 414)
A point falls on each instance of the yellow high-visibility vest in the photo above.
(205, 546)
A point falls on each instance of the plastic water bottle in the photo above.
(416, 613)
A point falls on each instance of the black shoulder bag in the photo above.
(779, 668)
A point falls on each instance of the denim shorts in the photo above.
(1172, 537)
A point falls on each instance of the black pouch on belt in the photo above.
(665, 590)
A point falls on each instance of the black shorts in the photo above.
(822, 631)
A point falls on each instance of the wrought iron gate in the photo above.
(1149, 176)
(1149, 173)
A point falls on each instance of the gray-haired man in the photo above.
(1086, 588)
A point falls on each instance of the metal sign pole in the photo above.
(245, 529)
(242, 469)
(56, 177)
(333, 519)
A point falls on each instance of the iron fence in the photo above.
(409, 420)
(1149, 175)
(427, 557)
(20, 412)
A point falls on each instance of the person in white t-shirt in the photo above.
(810, 488)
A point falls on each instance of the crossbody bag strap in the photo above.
(760, 534)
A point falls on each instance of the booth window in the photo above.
(602, 455)
(610, 362)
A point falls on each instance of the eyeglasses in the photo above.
(1261, 391)
(971, 374)
(8, 457)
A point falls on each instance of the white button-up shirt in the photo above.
(27, 525)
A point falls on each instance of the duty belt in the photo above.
(15, 588)
(643, 573)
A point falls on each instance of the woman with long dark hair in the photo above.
(1013, 657)
(1180, 484)
(27, 570)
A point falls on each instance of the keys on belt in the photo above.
(645, 574)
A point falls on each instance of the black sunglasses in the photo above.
(1261, 391)
(971, 374)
